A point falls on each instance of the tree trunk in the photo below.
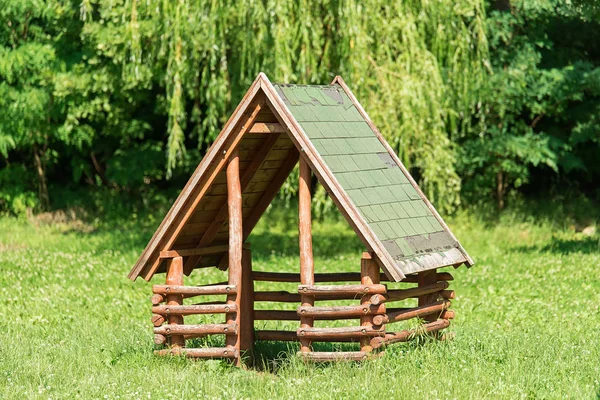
(500, 189)
(41, 177)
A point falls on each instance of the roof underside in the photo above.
(384, 195)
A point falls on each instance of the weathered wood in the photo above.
(447, 314)
(246, 302)
(175, 277)
(157, 320)
(234, 202)
(448, 294)
(160, 339)
(287, 297)
(402, 294)
(189, 291)
(402, 314)
(207, 352)
(307, 267)
(210, 233)
(323, 356)
(194, 309)
(342, 289)
(156, 299)
(200, 329)
(267, 127)
(369, 271)
(428, 279)
(340, 312)
(351, 331)
(406, 335)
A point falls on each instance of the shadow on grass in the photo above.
(585, 245)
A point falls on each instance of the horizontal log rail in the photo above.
(333, 333)
(334, 277)
(402, 294)
(336, 312)
(448, 314)
(200, 329)
(195, 309)
(194, 290)
(324, 356)
(406, 335)
(342, 289)
(287, 297)
(403, 314)
(208, 352)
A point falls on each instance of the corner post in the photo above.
(307, 267)
(369, 275)
(234, 201)
(175, 278)
(428, 278)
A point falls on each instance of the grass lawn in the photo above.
(73, 325)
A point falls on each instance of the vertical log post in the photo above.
(246, 305)
(234, 201)
(175, 277)
(428, 278)
(369, 275)
(307, 267)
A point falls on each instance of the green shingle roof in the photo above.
(378, 187)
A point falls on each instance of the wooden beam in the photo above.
(175, 277)
(369, 271)
(215, 225)
(307, 267)
(267, 127)
(246, 303)
(234, 201)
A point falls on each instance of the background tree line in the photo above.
(482, 100)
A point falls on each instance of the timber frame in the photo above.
(209, 224)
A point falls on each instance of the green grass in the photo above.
(73, 325)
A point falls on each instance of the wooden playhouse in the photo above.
(326, 130)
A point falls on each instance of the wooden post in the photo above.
(428, 278)
(175, 277)
(234, 201)
(307, 267)
(369, 275)
(246, 310)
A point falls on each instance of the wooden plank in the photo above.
(369, 271)
(327, 179)
(340, 81)
(268, 196)
(195, 188)
(206, 352)
(234, 202)
(267, 127)
(201, 329)
(196, 251)
(307, 267)
(342, 289)
(194, 309)
(175, 278)
(212, 230)
(194, 290)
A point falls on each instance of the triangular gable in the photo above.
(344, 149)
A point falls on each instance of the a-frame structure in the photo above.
(326, 130)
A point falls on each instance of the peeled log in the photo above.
(208, 352)
(402, 294)
(159, 339)
(157, 320)
(407, 335)
(333, 333)
(203, 329)
(156, 299)
(342, 289)
(402, 314)
(340, 311)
